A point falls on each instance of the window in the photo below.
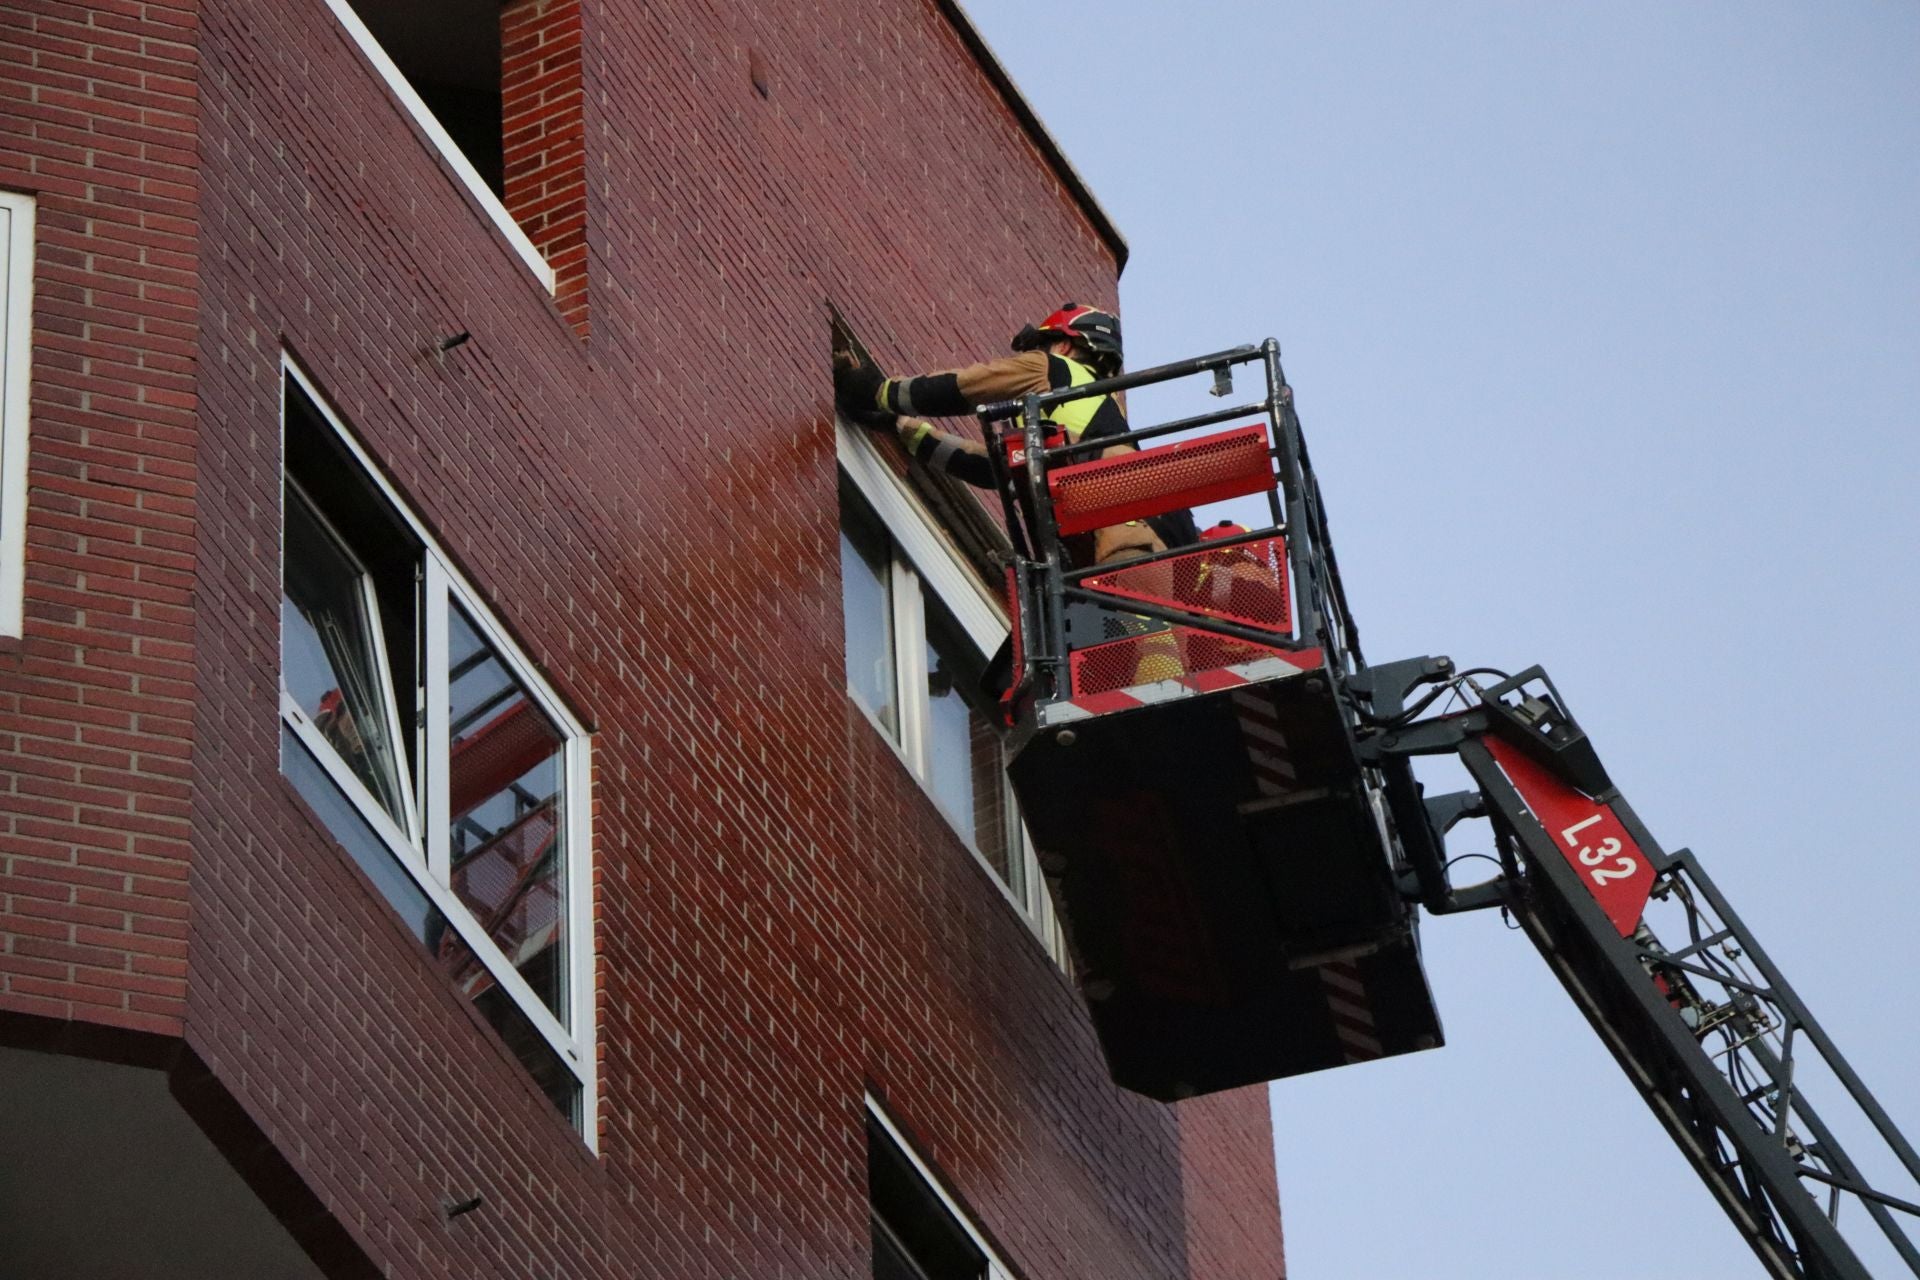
(919, 632)
(867, 572)
(436, 756)
(448, 51)
(497, 90)
(965, 770)
(918, 1232)
(16, 329)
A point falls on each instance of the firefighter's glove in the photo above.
(856, 390)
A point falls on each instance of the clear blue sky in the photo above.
(1604, 322)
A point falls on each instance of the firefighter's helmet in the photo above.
(1094, 330)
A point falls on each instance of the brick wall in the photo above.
(545, 140)
(784, 922)
(97, 121)
(1230, 1183)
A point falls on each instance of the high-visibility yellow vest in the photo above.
(1074, 416)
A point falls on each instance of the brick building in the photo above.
(484, 787)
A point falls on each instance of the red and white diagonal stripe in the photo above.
(1291, 663)
(1352, 1013)
(1273, 772)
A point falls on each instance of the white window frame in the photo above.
(426, 856)
(997, 1269)
(16, 358)
(926, 561)
(443, 142)
(383, 672)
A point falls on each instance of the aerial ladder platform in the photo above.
(1221, 792)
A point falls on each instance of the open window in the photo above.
(918, 1232)
(449, 52)
(16, 327)
(336, 606)
(431, 749)
(920, 630)
(496, 88)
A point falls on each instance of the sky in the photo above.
(1604, 328)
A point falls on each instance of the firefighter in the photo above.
(1071, 347)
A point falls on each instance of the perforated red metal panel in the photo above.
(488, 758)
(1110, 491)
(1164, 654)
(1246, 584)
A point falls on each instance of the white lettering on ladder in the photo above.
(1577, 827)
(1591, 858)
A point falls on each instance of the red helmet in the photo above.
(1239, 551)
(1096, 331)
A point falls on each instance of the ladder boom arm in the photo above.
(1301, 845)
(1703, 1022)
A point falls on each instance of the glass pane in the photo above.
(505, 801)
(866, 605)
(328, 657)
(1023, 871)
(963, 741)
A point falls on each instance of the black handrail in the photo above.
(1002, 409)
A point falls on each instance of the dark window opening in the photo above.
(350, 609)
(449, 51)
(915, 1236)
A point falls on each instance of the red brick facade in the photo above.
(99, 113)
(784, 922)
(544, 135)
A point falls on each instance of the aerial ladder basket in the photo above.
(1221, 858)
(1220, 791)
